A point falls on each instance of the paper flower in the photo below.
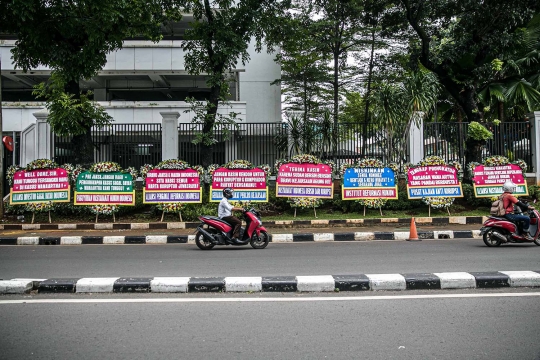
(39, 206)
(171, 207)
(438, 202)
(372, 203)
(173, 164)
(41, 164)
(144, 170)
(212, 168)
(11, 173)
(105, 167)
(305, 203)
(103, 209)
(266, 168)
(305, 159)
(238, 164)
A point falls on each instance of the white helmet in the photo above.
(509, 186)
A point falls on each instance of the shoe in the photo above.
(236, 240)
(528, 237)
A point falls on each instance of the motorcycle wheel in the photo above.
(491, 240)
(202, 243)
(259, 242)
(537, 241)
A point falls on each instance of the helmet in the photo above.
(509, 186)
(228, 193)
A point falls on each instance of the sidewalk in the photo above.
(280, 231)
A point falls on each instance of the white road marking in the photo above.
(273, 299)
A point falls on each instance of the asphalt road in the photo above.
(303, 326)
(334, 258)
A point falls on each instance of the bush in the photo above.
(470, 200)
(403, 202)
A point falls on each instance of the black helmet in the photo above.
(228, 193)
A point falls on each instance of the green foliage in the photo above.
(74, 37)
(470, 200)
(70, 114)
(534, 193)
(477, 131)
(403, 203)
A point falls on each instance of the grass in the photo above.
(301, 214)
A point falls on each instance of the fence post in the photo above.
(416, 141)
(43, 135)
(169, 135)
(534, 118)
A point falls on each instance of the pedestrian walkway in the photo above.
(280, 231)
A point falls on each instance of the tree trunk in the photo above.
(83, 146)
(368, 92)
(473, 150)
(207, 151)
(336, 108)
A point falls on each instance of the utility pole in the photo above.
(2, 175)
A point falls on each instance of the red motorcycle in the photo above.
(499, 230)
(214, 231)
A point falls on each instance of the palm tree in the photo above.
(395, 107)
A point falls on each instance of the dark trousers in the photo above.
(523, 218)
(236, 223)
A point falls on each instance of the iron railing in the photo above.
(127, 144)
(510, 139)
(264, 143)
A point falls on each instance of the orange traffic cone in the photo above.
(413, 235)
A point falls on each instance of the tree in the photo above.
(337, 30)
(73, 38)
(396, 106)
(217, 40)
(459, 40)
(304, 72)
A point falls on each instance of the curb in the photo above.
(462, 220)
(276, 238)
(320, 283)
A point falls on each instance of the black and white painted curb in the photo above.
(449, 220)
(275, 238)
(320, 283)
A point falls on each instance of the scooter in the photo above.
(214, 231)
(499, 230)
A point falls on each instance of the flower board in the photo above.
(433, 181)
(104, 188)
(305, 180)
(248, 184)
(172, 186)
(40, 185)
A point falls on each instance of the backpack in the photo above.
(497, 207)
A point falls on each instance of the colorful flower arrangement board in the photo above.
(104, 188)
(488, 180)
(433, 181)
(248, 184)
(369, 183)
(305, 180)
(172, 186)
(43, 185)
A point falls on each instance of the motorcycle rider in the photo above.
(509, 201)
(225, 210)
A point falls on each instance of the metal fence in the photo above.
(510, 139)
(264, 143)
(127, 144)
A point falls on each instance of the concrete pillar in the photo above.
(169, 135)
(534, 118)
(416, 141)
(43, 135)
